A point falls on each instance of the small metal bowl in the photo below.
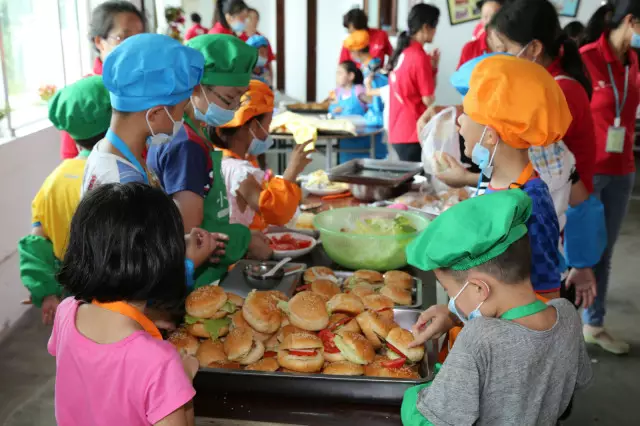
(253, 273)
(370, 193)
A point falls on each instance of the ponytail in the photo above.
(571, 62)
(599, 22)
(218, 14)
(420, 15)
(404, 39)
(232, 7)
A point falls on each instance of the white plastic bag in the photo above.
(439, 136)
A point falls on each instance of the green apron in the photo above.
(216, 219)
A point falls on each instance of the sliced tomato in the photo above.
(337, 324)
(303, 287)
(302, 352)
(394, 349)
(383, 310)
(303, 244)
(284, 246)
(327, 340)
(395, 363)
(270, 354)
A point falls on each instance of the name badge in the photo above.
(615, 139)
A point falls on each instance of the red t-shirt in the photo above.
(478, 31)
(473, 49)
(411, 79)
(194, 31)
(379, 46)
(580, 138)
(596, 56)
(218, 28)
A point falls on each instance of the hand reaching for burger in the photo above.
(203, 245)
(432, 324)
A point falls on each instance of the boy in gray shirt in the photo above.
(517, 361)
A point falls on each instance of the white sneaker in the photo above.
(599, 336)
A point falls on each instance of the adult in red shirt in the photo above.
(196, 29)
(111, 22)
(230, 18)
(253, 19)
(613, 67)
(412, 81)
(488, 8)
(379, 44)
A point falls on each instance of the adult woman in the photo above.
(111, 22)
(230, 18)
(488, 8)
(189, 166)
(253, 19)
(412, 81)
(613, 66)
(380, 46)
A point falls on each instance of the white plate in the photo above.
(281, 254)
(323, 192)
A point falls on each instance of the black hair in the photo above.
(126, 243)
(220, 136)
(251, 9)
(195, 18)
(511, 267)
(575, 31)
(609, 17)
(103, 17)
(91, 142)
(420, 15)
(357, 18)
(526, 20)
(351, 68)
(232, 7)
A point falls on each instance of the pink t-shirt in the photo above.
(136, 381)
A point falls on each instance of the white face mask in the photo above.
(162, 138)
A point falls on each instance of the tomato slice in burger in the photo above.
(327, 340)
(303, 287)
(396, 350)
(395, 363)
(383, 310)
(270, 354)
(303, 352)
(339, 323)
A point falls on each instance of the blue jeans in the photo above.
(614, 192)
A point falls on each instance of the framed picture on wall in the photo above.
(461, 11)
(567, 7)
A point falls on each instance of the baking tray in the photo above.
(370, 390)
(235, 282)
(416, 291)
(365, 171)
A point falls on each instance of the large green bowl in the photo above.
(355, 251)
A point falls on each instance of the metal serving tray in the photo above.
(236, 283)
(370, 390)
(416, 291)
(366, 171)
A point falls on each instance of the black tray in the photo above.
(375, 172)
(235, 282)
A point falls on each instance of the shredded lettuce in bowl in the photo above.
(399, 225)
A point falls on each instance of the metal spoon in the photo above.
(278, 266)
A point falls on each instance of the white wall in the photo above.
(24, 164)
(296, 48)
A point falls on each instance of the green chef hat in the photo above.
(472, 232)
(228, 61)
(82, 109)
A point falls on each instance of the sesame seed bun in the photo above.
(210, 351)
(198, 330)
(317, 272)
(349, 326)
(398, 279)
(371, 277)
(376, 369)
(184, 342)
(235, 299)
(333, 357)
(301, 341)
(398, 295)
(307, 310)
(261, 312)
(376, 302)
(237, 320)
(355, 347)
(362, 290)
(345, 303)
(272, 344)
(265, 364)
(325, 288)
(276, 294)
(205, 302)
(374, 327)
(290, 329)
(343, 368)
(400, 339)
(302, 364)
(240, 346)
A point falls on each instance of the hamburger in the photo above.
(384, 367)
(354, 347)
(343, 368)
(241, 346)
(227, 365)
(206, 309)
(345, 303)
(319, 272)
(301, 352)
(363, 276)
(343, 322)
(210, 351)
(289, 329)
(272, 344)
(362, 290)
(398, 295)
(374, 327)
(397, 344)
(325, 288)
(379, 304)
(261, 312)
(265, 364)
(184, 342)
(306, 310)
(235, 299)
(276, 294)
(398, 279)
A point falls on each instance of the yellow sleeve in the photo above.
(38, 209)
(279, 201)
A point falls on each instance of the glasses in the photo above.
(118, 38)
(232, 105)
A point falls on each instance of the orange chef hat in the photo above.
(357, 40)
(257, 100)
(518, 99)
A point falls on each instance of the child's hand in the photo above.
(431, 324)
(584, 281)
(203, 245)
(298, 161)
(190, 364)
(49, 306)
(336, 110)
(453, 173)
(259, 248)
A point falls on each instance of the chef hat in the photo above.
(256, 101)
(257, 41)
(229, 61)
(519, 99)
(357, 40)
(472, 232)
(82, 109)
(148, 70)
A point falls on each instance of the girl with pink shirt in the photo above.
(112, 366)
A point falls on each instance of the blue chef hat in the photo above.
(148, 70)
(257, 41)
(460, 79)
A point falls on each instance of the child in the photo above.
(261, 71)
(196, 29)
(112, 366)
(254, 201)
(517, 360)
(83, 111)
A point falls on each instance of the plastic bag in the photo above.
(439, 136)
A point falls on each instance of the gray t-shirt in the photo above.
(501, 373)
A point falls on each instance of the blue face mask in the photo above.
(259, 146)
(635, 40)
(262, 61)
(215, 115)
(238, 26)
(454, 310)
(482, 157)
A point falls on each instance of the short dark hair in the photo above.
(91, 142)
(511, 267)
(251, 9)
(351, 68)
(221, 135)
(195, 18)
(357, 18)
(126, 243)
(102, 17)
